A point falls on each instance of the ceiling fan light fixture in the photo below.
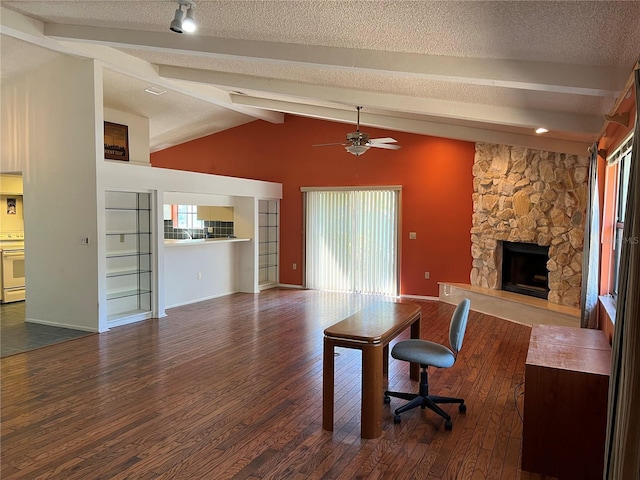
(359, 142)
(356, 150)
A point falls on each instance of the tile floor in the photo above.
(17, 336)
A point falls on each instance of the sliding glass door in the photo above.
(351, 240)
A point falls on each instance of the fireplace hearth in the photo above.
(524, 269)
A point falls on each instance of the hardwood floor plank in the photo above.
(482, 465)
(232, 388)
(470, 457)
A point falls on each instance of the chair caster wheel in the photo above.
(387, 399)
(448, 425)
(462, 408)
(396, 419)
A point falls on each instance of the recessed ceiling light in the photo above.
(154, 90)
(541, 130)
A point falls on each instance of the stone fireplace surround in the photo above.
(530, 196)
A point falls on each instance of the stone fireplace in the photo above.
(531, 197)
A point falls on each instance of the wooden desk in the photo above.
(565, 402)
(369, 330)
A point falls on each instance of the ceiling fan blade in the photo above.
(329, 144)
(383, 140)
(384, 145)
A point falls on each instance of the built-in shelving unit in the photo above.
(268, 235)
(128, 256)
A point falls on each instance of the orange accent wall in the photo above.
(614, 135)
(435, 173)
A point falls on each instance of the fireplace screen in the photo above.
(524, 269)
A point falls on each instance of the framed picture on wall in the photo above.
(11, 206)
(116, 142)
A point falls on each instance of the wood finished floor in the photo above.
(232, 388)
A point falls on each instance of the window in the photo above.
(186, 216)
(351, 240)
(622, 156)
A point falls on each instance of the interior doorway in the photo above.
(17, 336)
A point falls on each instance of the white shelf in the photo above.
(128, 245)
(124, 272)
(268, 241)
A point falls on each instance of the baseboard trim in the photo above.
(61, 325)
(420, 297)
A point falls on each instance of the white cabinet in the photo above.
(128, 255)
(268, 236)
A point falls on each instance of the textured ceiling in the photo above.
(462, 69)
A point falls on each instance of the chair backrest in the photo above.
(458, 325)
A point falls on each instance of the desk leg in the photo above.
(385, 361)
(372, 390)
(414, 368)
(327, 385)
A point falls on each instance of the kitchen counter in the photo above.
(201, 241)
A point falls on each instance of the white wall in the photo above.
(246, 225)
(49, 134)
(126, 176)
(213, 260)
(52, 132)
(177, 283)
(185, 198)
(138, 135)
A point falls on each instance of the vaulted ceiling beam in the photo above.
(423, 127)
(540, 76)
(518, 117)
(32, 31)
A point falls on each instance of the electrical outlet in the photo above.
(199, 275)
(426, 275)
(84, 241)
(412, 235)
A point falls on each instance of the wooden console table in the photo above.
(565, 402)
(369, 330)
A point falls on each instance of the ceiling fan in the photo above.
(359, 142)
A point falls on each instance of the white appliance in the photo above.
(12, 286)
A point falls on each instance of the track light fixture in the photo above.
(181, 22)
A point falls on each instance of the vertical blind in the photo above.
(352, 241)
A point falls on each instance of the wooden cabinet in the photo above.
(220, 214)
(565, 405)
(128, 255)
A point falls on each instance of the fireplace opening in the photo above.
(524, 269)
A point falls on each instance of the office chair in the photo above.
(430, 354)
